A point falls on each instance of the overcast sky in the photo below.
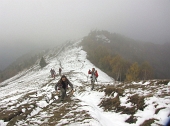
(26, 24)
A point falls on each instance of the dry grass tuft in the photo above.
(157, 110)
(165, 82)
(127, 110)
(111, 89)
(148, 122)
(110, 103)
(131, 119)
(138, 101)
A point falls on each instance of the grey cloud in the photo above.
(39, 23)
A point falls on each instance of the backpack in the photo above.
(89, 72)
(96, 73)
(59, 69)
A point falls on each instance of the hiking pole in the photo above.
(87, 78)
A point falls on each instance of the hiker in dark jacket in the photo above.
(63, 85)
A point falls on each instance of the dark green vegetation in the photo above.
(43, 62)
(126, 59)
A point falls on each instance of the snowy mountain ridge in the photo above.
(29, 97)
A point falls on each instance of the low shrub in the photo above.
(138, 101)
(148, 122)
(110, 89)
(129, 110)
(131, 119)
(163, 82)
(110, 103)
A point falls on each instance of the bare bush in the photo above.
(110, 89)
(148, 122)
(110, 103)
(138, 101)
(131, 119)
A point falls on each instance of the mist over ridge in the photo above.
(29, 25)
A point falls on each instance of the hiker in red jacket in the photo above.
(93, 77)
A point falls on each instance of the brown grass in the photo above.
(128, 110)
(163, 82)
(157, 110)
(111, 89)
(110, 103)
(138, 101)
(148, 122)
(131, 119)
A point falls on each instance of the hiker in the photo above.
(51, 71)
(60, 71)
(63, 85)
(93, 77)
(54, 73)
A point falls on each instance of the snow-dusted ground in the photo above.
(85, 103)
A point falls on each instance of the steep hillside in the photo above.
(24, 62)
(132, 51)
(29, 97)
(27, 61)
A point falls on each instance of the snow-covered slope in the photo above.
(29, 97)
